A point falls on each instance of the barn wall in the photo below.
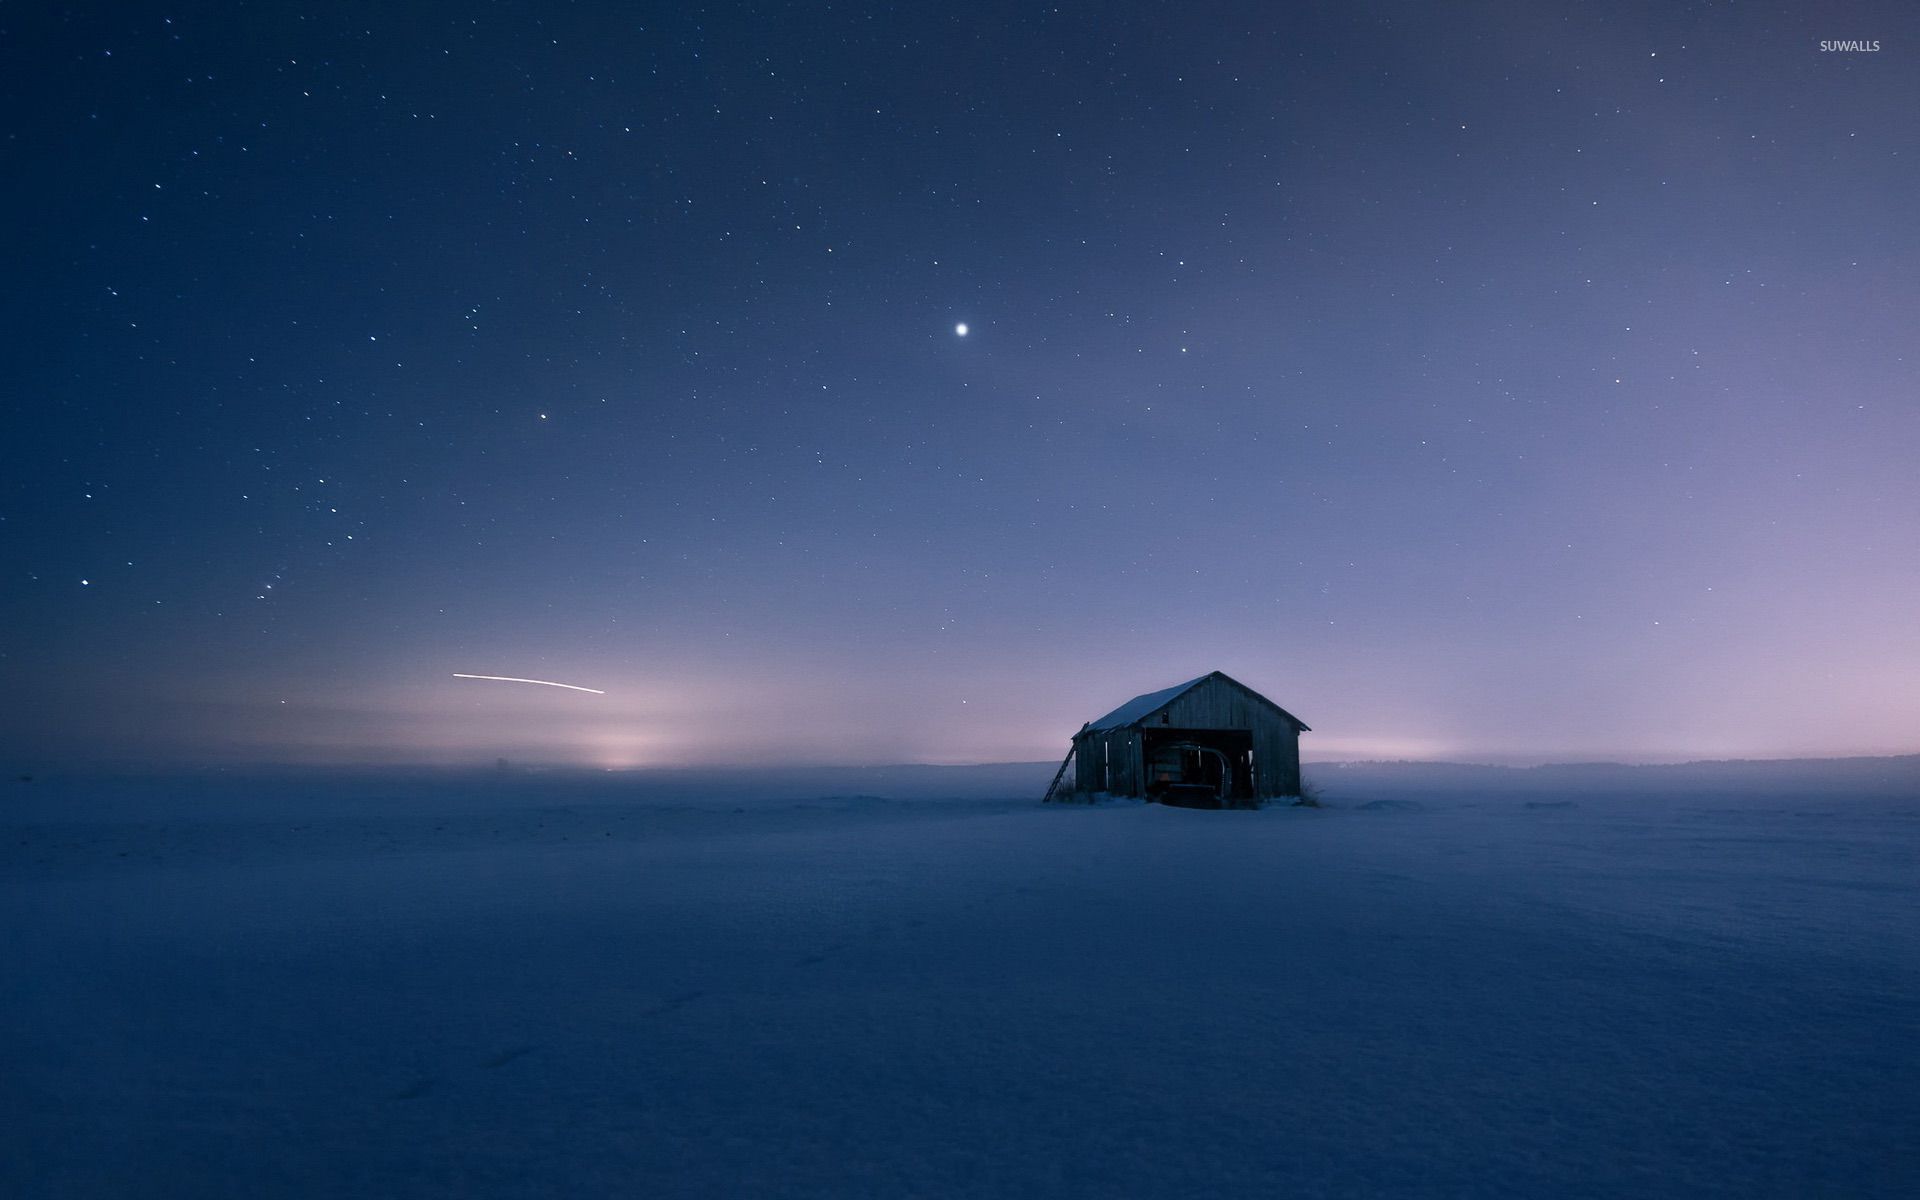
(1086, 763)
(1128, 763)
(1276, 760)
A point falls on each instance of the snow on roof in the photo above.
(1141, 707)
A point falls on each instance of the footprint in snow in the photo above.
(672, 1002)
(821, 957)
(506, 1056)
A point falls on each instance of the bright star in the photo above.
(961, 329)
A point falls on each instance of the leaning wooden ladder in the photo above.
(1053, 789)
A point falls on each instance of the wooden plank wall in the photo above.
(1130, 770)
(1276, 760)
(1086, 763)
(1217, 704)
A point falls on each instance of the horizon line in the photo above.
(497, 763)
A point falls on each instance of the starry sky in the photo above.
(1513, 382)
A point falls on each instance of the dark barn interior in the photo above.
(1199, 768)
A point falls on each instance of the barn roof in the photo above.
(1138, 709)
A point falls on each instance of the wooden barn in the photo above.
(1210, 742)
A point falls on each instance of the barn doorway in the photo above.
(1200, 768)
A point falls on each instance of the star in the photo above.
(960, 330)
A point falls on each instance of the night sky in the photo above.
(1515, 381)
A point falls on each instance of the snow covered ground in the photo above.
(567, 985)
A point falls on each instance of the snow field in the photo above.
(552, 987)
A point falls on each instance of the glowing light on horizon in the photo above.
(542, 682)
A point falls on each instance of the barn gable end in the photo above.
(1208, 742)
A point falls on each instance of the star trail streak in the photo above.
(542, 682)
